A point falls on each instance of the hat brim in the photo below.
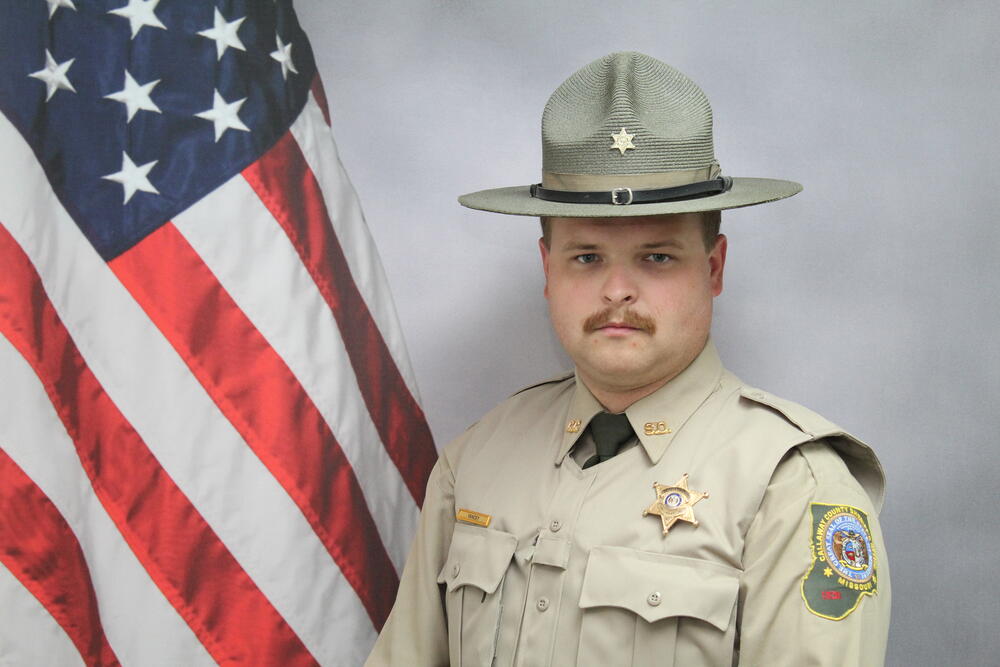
(518, 201)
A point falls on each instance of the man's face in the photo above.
(631, 298)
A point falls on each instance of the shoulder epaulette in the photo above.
(552, 380)
(858, 456)
(802, 417)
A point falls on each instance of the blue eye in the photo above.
(586, 258)
(659, 258)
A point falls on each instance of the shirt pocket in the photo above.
(657, 609)
(473, 576)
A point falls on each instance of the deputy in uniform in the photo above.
(651, 508)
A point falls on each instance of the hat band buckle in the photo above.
(616, 198)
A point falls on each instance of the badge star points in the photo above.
(623, 141)
(827, 572)
(675, 503)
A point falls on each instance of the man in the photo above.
(650, 509)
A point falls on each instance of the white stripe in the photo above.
(28, 634)
(192, 440)
(34, 437)
(277, 294)
(316, 141)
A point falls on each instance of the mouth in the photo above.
(617, 328)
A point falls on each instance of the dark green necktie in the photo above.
(609, 432)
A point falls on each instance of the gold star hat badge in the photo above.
(674, 503)
(623, 141)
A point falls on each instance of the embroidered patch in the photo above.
(844, 563)
(476, 518)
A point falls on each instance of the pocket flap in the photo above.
(656, 586)
(477, 557)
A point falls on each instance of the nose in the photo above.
(619, 287)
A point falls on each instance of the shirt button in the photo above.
(455, 569)
(543, 604)
(653, 599)
(555, 525)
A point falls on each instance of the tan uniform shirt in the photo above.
(569, 570)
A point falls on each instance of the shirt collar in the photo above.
(657, 418)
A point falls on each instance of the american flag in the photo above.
(210, 449)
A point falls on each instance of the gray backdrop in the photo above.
(870, 297)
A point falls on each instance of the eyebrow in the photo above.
(574, 246)
(571, 245)
(666, 243)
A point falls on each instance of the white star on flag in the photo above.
(56, 4)
(284, 56)
(54, 75)
(224, 115)
(135, 96)
(133, 178)
(224, 34)
(139, 13)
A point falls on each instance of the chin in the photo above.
(623, 376)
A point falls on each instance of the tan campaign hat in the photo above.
(628, 135)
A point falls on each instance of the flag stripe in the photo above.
(320, 96)
(28, 633)
(138, 619)
(278, 296)
(278, 174)
(315, 139)
(40, 549)
(257, 392)
(182, 554)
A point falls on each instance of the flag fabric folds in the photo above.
(210, 445)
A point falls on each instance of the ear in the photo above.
(545, 264)
(717, 263)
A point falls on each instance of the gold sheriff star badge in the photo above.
(674, 503)
(623, 141)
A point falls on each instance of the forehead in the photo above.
(678, 225)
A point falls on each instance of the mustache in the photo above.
(627, 318)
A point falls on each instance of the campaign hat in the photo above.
(628, 135)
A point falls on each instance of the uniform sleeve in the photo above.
(416, 630)
(776, 625)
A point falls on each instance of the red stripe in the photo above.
(40, 549)
(181, 552)
(262, 398)
(285, 184)
(320, 95)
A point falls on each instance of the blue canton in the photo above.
(138, 108)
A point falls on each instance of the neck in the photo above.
(617, 401)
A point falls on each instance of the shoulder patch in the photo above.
(553, 380)
(844, 564)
